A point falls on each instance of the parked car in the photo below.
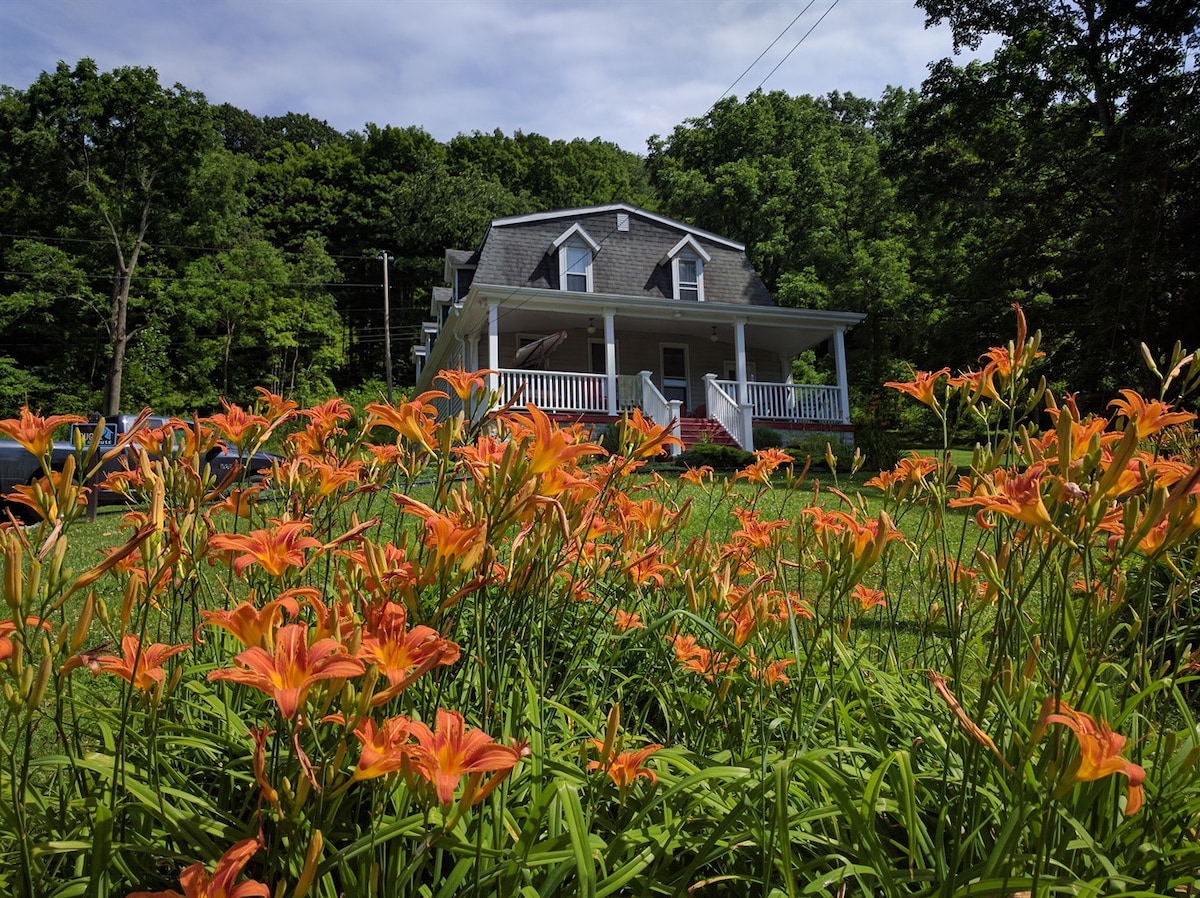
(19, 467)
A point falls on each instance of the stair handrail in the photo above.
(731, 415)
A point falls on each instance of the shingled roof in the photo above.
(517, 252)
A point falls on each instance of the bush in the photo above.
(715, 456)
(767, 437)
(880, 448)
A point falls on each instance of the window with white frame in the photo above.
(576, 251)
(575, 266)
(687, 258)
(689, 275)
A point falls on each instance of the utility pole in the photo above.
(387, 328)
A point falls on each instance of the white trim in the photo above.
(576, 230)
(688, 240)
(676, 278)
(575, 238)
(614, 207)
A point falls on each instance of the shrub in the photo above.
(767, 437)
(716, 456)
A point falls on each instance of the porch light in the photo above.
(713, 335)
(591, 325)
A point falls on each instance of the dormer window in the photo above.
(687, 278)
(687, 258)
(576, 250)
(462, 282)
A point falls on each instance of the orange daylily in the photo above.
(453, 751)
(198, 884)
(141, 666)
(642, 438)
(922, 387)
(397, 651)
(1016, 496)
(413, 420)
(625, 768)
(451, 537)
(275, 550)
(1148, 417)
(385, 749)
(697, 476)
(772, 673)
(260, 736)
(624, 621)
(9, 627)
(34, 432)
(293, 669)
(253, 626)
(766, 462)
(549, 446)
(1099, 751)
(465, 383)
(241, 428)
(275, 406)
(869, 598)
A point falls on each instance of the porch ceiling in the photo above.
(694, 322)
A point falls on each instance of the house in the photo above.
(587, 313)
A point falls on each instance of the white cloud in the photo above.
(620, 70)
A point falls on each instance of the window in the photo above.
(687, 258)
(576, 267)
(598, 356)
(687, 279)
(462, 282)
(576, 249)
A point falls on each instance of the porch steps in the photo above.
(704, 430)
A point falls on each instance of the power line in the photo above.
(778, 37)
(799, 42)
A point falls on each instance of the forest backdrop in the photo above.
(157, 248)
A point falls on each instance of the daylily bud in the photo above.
(79, 634)
(43, 677)
(14, 579)
(310, 865)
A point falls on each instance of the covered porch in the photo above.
(727, 364)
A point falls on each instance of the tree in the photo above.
(1063, 173)
(111, 155)
(798, 180)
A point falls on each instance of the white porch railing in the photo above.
(791, 402)
(723, 408)
(555, 391)
(662, 411)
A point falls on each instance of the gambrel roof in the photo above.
(519, 251)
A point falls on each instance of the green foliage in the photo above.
(766, 437)
(714, 455)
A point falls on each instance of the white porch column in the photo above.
(739, 350)
(839, 361)
(610, 360)
(493, 379)
(471, 363)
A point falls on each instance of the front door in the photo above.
(675, 372)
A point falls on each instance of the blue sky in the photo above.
(620, 70)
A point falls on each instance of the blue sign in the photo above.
(109, 437)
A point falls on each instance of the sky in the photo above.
(620, 70)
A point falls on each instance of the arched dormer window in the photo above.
(687, 258)
(576, 251)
